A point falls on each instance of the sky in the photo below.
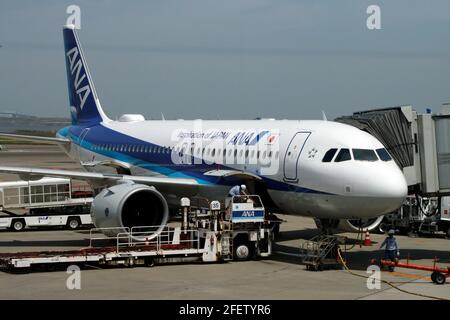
(229, 59)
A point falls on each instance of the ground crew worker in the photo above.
(392, 250)
(237, 190)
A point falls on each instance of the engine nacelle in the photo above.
(348, 225)
(128, 205)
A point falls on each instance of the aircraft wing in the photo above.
(100, 178)
(35, 138)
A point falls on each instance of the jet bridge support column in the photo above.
(428, 160)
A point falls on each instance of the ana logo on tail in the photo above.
(75, 67)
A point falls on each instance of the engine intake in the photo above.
(126, 205)
(348, 225)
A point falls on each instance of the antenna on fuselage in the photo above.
(162, 117)
(324, 116)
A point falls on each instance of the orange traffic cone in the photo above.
(367, 241)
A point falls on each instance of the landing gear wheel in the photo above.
(439, 278)
(18, 225)
(73, 223)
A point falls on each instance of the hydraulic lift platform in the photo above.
(242, 232)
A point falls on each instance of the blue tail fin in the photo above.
(84, 104)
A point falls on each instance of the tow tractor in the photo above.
(239, 232)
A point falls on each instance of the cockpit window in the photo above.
(329, 155)
(343, 155)
(364, 155)
(383, 154)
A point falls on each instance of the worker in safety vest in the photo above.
(392, 250)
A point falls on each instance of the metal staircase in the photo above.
(227, 239)
(320, 252)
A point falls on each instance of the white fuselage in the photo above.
(284, 156)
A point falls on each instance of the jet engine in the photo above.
(349, 225)
(126, 205)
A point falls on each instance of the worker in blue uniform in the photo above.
(237, 190)
(392, 250)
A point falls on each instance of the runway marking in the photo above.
(406, 275)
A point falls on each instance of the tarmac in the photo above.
(281, 276)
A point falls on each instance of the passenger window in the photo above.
(364, 155)
(343, 155)
(329, 155)
(383, 154)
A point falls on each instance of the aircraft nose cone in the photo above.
(396, 186)
(392, 190)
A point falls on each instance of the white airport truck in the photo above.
(239, 232)
(47, 202)
(420, 216)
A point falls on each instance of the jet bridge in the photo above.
(419, 144)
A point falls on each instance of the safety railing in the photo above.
(253, 201)
(149, 232)
(104, 236)
(166, 236)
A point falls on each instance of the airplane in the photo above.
(141, 168)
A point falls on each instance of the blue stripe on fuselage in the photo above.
(160, 162)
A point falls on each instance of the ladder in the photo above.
(227, 240)
(320, 251)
